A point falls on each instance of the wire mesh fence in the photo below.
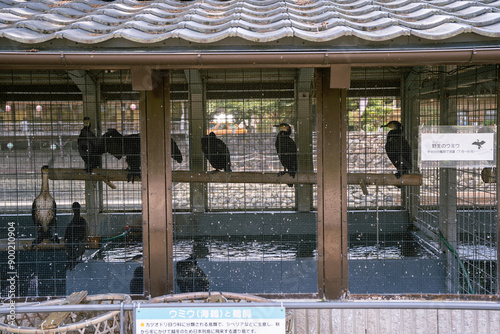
(453, 211)
(400, 239)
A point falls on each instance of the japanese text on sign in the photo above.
(471, 149)
(248, 320)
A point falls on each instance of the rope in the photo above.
(460, 263)
(117, 236)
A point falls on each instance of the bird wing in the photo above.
(221, 148)
(204, 145)
(398, 151)
(83, 141)
(53, 222)
(112, 143)
(406, 152)
(132, 146)
(175, 151)
(287, 152)
(33, 212)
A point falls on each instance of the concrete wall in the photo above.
(397, 321)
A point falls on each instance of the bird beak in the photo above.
(383, 126)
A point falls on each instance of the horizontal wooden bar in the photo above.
(242, 177)
(25, 244)
(384, 179)
(108, 175)
(98, 174)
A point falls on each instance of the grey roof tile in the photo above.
(489, 31)
(259, 21)
(42, 27)
(7, 18)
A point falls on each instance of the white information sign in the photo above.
(210, 320)
(457, 146)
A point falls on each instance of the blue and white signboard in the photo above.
(213, 319)
(450, 147)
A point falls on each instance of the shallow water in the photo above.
(264, 251)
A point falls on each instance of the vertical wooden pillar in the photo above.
(332, 187)
(157, 186)
(304, 193)
(448, 190)
(196, 121)
(91, 98)
(410, 113)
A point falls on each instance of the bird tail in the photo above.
(292, 174)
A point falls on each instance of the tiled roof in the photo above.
(143, 23)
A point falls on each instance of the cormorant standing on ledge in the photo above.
(129, 146)
(175, 152)
(43, 211)
(397, 148)
(189, 276)
(75, 237)
(216, 152)
(137, 282)
(287, 150)
(89, 147)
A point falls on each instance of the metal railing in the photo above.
(341, 305)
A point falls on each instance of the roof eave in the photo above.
(160, 60)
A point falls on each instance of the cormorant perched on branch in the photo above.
(43, 211)
(397, 148)
(89, 147)
(216, 152)
(75, 237)
(175, 151)
(287, 150)
(129, 146)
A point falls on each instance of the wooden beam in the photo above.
(98, 174)
(384, 179)
(56, 318)
(363, 179)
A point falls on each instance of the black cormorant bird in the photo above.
(287, 150)
(43, 211)
(89, 147)
(118, 145)
(189, 276)
(175, 151)
(397, 148)
(216, 152)
(137, 281)
(75, 237)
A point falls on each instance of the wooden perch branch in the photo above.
(242, 177)
(105, 175)
(384, 179)
(108, 175)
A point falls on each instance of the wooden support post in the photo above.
(332, 188)
(448, 189)
(197, 163)
(303, 137)
(91, 97)
(157, 187)
(410, 113)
